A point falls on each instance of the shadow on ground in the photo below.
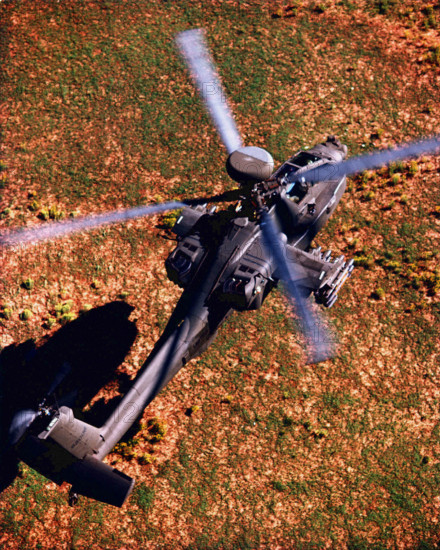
(93, 346)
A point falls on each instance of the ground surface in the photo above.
(97, 113)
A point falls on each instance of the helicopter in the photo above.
(224, 261)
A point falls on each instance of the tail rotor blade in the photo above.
(193, 48)
(19, 424)
(26, 237)
(60, 376)
(317, 337)
(371, 161)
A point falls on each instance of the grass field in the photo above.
(260, 451)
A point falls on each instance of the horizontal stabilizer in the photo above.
(95, 479)
(88, 476)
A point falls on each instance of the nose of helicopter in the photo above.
(250, 164)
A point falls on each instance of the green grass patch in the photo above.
(102, 115)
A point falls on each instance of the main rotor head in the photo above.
(249, 165)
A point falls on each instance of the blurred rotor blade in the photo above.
(370, 161)
(226, 196)
(19, 424)
(24, 237)
(193, 48)
(317, 337)
(60, 376)
(45, 232)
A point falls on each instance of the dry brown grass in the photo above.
(280, 455)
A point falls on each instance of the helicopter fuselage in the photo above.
(223, 264)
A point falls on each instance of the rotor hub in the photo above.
(250, 165)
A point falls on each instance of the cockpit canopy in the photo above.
(294, 164)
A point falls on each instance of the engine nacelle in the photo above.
(245, 292)
(183, 262)
(249, 284)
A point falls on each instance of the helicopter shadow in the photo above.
(79, 359)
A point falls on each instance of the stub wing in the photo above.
(316, 272)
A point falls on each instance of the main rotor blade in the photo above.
(371, 161)
(317, 336)
(193, 48)
(25, 237)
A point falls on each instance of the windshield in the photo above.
(285, 170)
(304, 159)
(294, 164)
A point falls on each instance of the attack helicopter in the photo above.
(224, 261)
